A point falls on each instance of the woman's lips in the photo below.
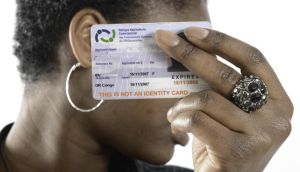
(180, 138)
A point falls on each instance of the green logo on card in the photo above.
(105, 35)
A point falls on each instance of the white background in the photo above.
(270, 25)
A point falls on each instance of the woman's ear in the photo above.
(79, 34)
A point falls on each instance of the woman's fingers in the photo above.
(246, 57)
(220, 76)
(216, 107)
(204, 128)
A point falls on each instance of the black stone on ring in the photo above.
(250, 93)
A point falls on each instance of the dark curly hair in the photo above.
(42, 23)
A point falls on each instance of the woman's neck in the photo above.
(44, 138)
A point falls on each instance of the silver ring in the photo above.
(74, 67)
(250, 93)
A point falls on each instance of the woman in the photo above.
(129, 135)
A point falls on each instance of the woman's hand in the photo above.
(225, 137)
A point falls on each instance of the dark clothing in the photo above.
(120, 163)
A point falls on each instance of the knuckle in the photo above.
(243, 146)
(218, 39)
(282, 127)
(287, 130)
(264, 141)
(290, 109)
(286, 109)
(195, 119)
(228, 75)
(270, 136)
(240, 149)
(187, 52)
(256, 56)
(258, 144)
(205, 97)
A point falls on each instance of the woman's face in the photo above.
(137, 128)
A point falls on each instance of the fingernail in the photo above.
(167, 38)
(196, 32)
